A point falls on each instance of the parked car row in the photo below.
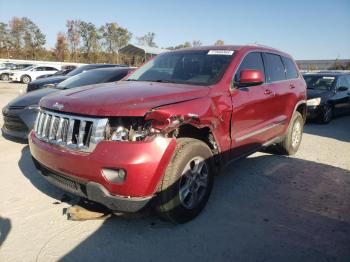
(7, 68)
(56, 79)
(26, 73)
(156, 138)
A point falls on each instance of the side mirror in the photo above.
(250, 77)
(342, 89)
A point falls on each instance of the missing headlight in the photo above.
(127, 129)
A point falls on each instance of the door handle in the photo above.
(268, 92)
(292, 86)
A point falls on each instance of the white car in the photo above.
(31, 73)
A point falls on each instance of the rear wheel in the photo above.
(26, 79)
(5, 77)
(291, 142)
(187, 182)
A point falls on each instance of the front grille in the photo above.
(14, 123)
(73, 132)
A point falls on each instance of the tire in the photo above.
(327, 114)
(184, 191)
(25, 79)
(291, 142)
(5, 77)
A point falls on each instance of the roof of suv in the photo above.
(234, 48)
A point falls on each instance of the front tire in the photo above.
(291, 142)
(187, 182)
(327, 114)
(26, 79)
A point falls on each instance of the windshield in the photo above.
(86, 78)
(202, 67)
(319, 82)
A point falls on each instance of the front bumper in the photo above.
(92, 191)
(15, 78)
(144, 162)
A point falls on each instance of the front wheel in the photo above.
(187, 182)
(291, 142)
(26, 79)
(327, 114)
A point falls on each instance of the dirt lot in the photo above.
(263, 208)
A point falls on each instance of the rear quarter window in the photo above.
(274, 68)
(291, 70)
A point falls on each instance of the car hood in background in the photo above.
(31, 98)
(313, 93)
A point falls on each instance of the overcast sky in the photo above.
(306, 29)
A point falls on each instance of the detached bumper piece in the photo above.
(92, 191)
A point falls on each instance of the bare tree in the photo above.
(73, 35)
(16, 35)
(91, 40)
(5, 43)
(114, 38)
(61, 47)
(147, 39)
(196, 43)
(34, 39)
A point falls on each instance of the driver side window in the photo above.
(251, 61)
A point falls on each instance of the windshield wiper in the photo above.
(163, 81)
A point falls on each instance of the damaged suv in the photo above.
(158, 137)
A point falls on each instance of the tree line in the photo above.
(82, 42)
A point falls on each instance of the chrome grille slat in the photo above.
(81, 133)
(59, 131)
(72, 132)
(52, 131)
(42, 127)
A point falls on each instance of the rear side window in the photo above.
(274, 68)
(348, 80)
(119, 75)
(251, 61)
(50, 69)
(291, 70)
(342, 82)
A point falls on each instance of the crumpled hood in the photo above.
(123, 98)
(31, 98)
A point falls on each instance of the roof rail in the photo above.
(266, 46)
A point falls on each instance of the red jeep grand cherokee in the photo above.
(164, 131)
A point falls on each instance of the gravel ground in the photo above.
(263, 208)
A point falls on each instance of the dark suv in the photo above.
(328, 95)
(163, 132)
